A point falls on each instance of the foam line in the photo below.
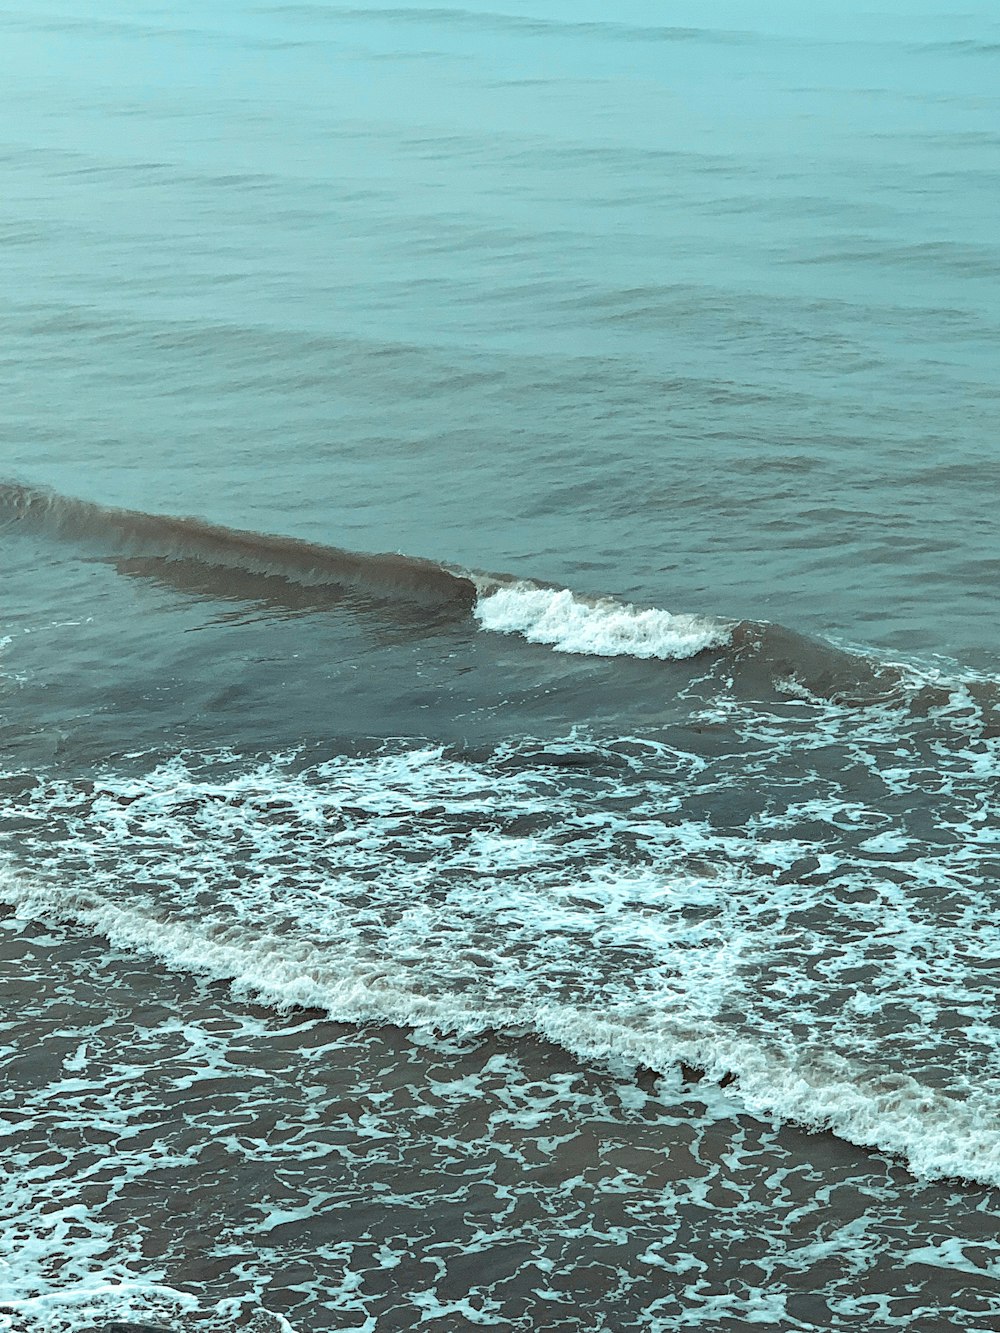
(937, 1135)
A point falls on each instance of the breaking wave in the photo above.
(206, 559)
(600, 628)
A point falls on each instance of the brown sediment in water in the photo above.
(168, 540)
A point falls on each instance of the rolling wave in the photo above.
(128, 532)
(206, 559)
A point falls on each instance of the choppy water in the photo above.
(584, 915)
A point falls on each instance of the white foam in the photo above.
(95, 1297)
(603, 628)
(938, 1135)
(416, 889)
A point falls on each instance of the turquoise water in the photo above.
(698, 309)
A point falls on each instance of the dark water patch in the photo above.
(568, 758)
(769, 657)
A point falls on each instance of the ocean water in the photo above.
(499, 667)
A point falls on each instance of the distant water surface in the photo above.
(695, 308)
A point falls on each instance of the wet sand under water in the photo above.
(188, 1159)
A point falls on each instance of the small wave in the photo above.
(127, 532)
(603, 628)
(205, 559)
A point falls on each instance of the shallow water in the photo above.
(207, 1159)
(372, 912)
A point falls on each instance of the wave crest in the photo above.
(603, 628)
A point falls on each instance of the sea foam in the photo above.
(587, 907)
(602, 628)
(937, 1135)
